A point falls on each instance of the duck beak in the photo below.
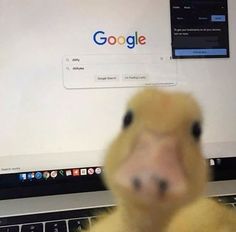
(153, 169)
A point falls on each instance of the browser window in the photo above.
(68, 68)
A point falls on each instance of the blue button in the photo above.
(201, 52)
(218, 18)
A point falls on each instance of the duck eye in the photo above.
(128, 119)
(196, 130)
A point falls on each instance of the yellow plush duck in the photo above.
(156, 171)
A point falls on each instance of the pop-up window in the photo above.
(199, 29)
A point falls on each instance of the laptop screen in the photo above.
(67, 69)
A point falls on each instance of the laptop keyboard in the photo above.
(68, 221)
(229, 201)
(65, 221)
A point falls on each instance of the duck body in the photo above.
(156, 170)
(204, 215)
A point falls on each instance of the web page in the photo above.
(68, 68)
(58, 61)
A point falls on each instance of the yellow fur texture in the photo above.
(156, 170)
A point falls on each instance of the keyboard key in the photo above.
(227, 199)
(78, 224)
(58, 226)
(10, 229)
(224, 200)
(233, 199)
(32, 228)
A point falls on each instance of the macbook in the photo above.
(67, 69)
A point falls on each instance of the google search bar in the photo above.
(118, 70)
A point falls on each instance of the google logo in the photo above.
(100, 38)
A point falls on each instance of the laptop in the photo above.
(67, 69)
